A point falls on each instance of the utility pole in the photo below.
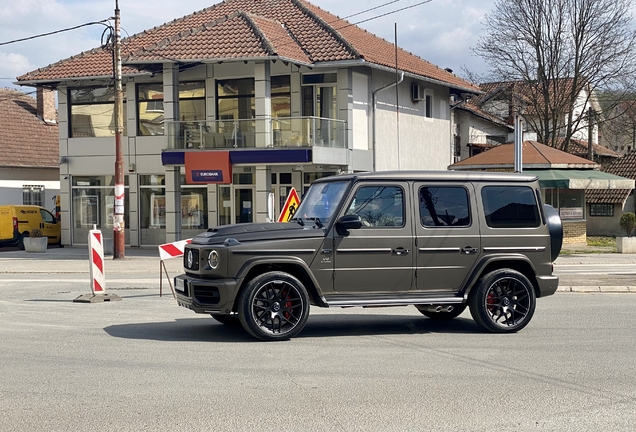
(118, 222)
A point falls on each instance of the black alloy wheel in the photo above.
(503, 301)
(273, 306)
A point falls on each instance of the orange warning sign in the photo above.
(289, 209)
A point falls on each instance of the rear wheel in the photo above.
(443, 315)
(273, 306)
(503, 301)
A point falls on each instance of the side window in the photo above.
(510, 207)
(379, 206)
(444, 206)
(46, 216)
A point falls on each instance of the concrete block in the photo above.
(615, 289)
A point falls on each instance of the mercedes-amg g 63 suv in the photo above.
(440, 241)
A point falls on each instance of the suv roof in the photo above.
(434, 175)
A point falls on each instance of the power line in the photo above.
(55, 32)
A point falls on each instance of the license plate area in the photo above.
(181, 286)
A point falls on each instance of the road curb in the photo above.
(593, 289)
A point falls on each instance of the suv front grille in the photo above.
(191, 259)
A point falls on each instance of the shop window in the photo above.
(92, 112)
(93, 204)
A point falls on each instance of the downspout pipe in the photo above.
(373, 102)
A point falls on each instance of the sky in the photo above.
(440, 31)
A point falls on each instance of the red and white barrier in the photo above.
(96, 255)
(173, 250)
(167, 251)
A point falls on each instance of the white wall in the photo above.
(11, 191)
(424, 143)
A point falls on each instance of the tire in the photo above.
(229, 320)
(503, 301)
(444, 316)
(21, 240)
(273, 306)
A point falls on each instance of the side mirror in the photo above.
(349, 222)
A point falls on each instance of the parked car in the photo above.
(17, 221)
(441, 241)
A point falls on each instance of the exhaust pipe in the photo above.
(437, 308)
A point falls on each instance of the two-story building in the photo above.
(228, 108)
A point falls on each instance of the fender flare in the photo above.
(485, 261)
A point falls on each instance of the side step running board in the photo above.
(378, 300)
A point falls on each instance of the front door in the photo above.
(377, 257)
(50, 227)
(447, 230)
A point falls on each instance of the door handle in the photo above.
(469, 250)
(401, 251)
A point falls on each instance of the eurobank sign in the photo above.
(208, 167)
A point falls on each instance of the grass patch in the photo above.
(601, 241)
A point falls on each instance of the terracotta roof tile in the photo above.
(309, 33)
(606, 196)
(624, 167)
(25, 139)
(535, 155)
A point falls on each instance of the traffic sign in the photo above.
(289, 209)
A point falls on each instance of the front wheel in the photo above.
(273, 306)
(503, 301)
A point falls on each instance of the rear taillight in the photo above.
(15, 223)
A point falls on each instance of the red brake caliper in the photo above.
(490, 301)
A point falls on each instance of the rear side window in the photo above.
(444, 206)
(510, 207)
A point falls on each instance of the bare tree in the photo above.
(559, 50)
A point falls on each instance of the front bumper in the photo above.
(208, 296)
(547, 285)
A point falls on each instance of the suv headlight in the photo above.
(213, 259)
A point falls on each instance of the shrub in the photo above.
(35, 232)
(628, 223)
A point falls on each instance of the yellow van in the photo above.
(16, 221)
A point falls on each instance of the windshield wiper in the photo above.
(299, 220)
(317, 220)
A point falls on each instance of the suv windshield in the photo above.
(321, 201)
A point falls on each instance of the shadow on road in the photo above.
(203, 330)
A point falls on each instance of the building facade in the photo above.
(218, 132)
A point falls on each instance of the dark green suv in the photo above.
(440, 241)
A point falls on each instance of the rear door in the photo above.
(379, 256)
(447, 229)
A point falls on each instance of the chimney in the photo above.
(46, 105)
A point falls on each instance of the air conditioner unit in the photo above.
(417, 92)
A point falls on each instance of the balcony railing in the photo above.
(285, 132)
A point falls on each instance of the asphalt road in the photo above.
(146, 364)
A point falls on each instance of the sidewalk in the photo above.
(146, 261)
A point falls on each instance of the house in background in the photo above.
(29, 148)
(487, 120)
(218, 132)
(564, 179)
(605, 207)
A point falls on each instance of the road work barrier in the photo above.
(168, 251)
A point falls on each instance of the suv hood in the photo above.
(256, 232)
